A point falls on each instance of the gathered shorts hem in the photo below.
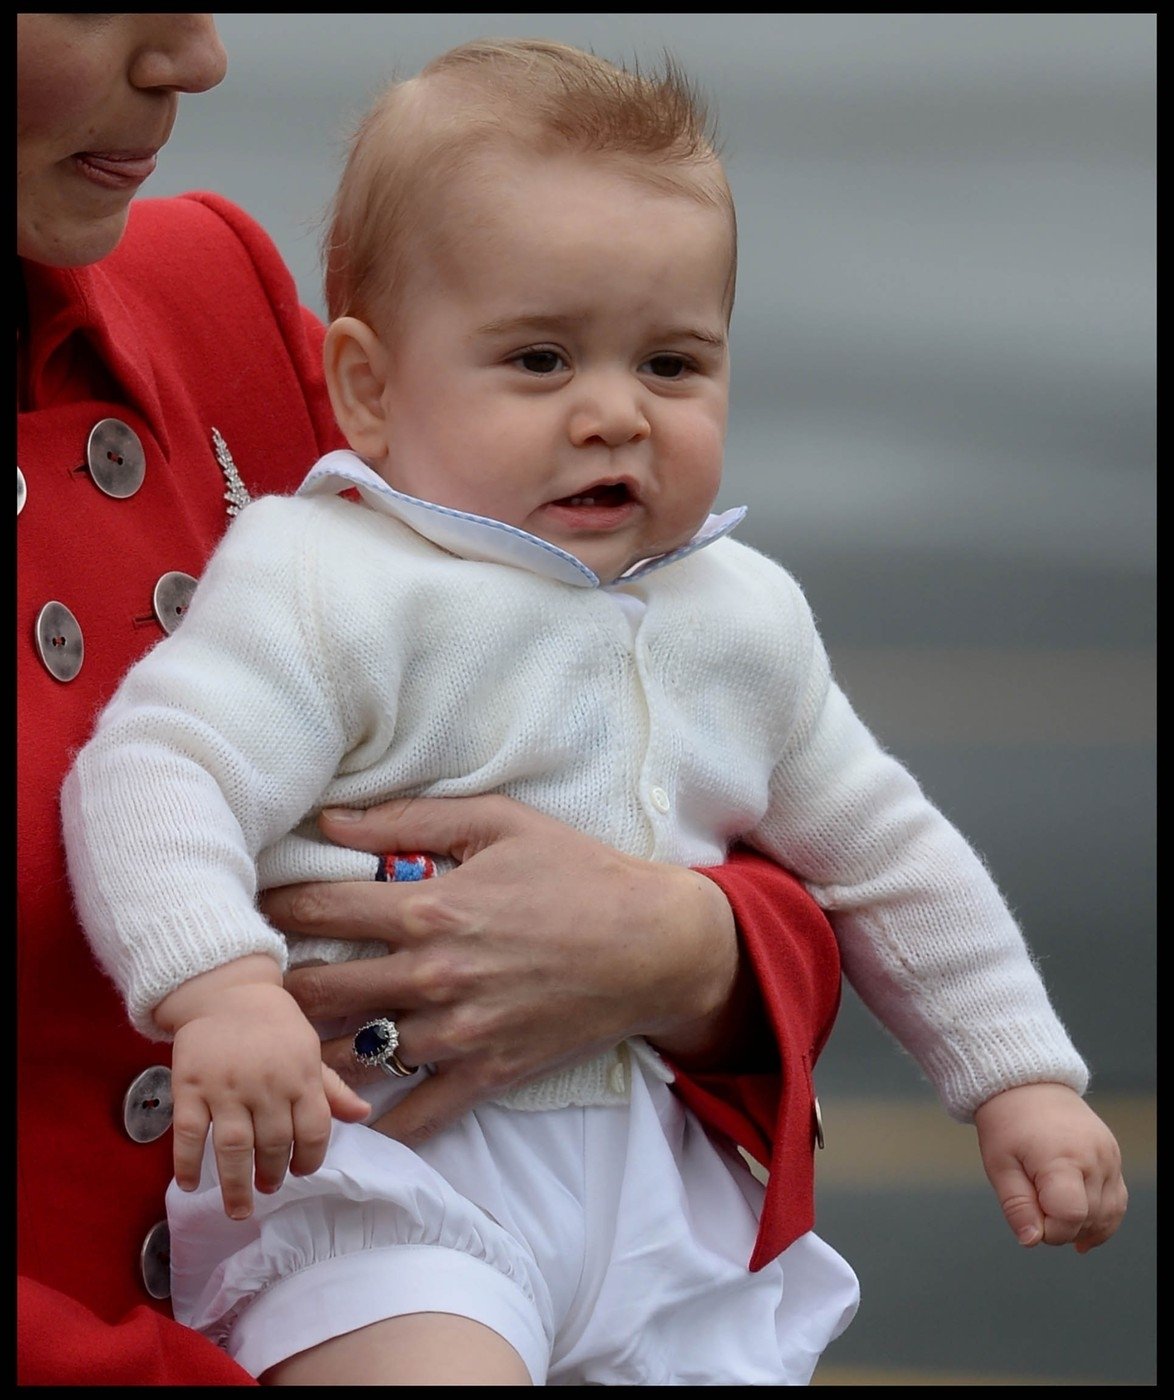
(605, 1245)
(331, 1297)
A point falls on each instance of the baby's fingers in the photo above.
(232, 1141)
(344, 1103)
(1020, 1205)
(1064, 1200)
(273, 1130)
(1105, 1215)
(189, 1132)
(311, 1126)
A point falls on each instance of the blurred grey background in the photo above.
(944, 425)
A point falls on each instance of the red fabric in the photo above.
(193, 324)
(63, 1343)
(796, 959)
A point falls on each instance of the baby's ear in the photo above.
(355, 363)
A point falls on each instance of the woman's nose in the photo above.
(182, 52)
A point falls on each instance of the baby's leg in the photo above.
(415, 1349)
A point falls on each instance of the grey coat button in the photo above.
(155, 1261)
(21, 491)
(173, 593)
(59, 641)
(115, 458)
(146, 1108)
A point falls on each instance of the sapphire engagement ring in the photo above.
(376, 1043)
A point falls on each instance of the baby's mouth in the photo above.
(616, 494)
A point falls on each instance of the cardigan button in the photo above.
(59, 641)
(173, 593)
(147, 1105)
(115, 458)
(22, 491)
(155, 1261)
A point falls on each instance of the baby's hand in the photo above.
(1055, 1167)
(247, 1063)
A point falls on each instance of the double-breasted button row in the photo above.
(117, 465)
(146, 1115)
(115, 461)
(61, 645)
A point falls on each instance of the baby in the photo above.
(513, 583)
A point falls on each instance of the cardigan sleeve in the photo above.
(926, 937)
(188, 774)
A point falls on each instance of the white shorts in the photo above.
(608, 1246)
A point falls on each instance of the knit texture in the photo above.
(333, 657)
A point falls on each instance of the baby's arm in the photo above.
(1055, 1167)
(248, 1064)
(934, 951)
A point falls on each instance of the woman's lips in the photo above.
(116, 171)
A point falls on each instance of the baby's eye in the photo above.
(667, 366)
(540, 361)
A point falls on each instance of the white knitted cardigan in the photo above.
(333, 656)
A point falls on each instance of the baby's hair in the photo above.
(530, 95)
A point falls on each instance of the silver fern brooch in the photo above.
(237, 494)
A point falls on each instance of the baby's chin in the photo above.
(610, 569)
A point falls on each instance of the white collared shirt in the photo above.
(480, 537)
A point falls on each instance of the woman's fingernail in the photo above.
(343, 814)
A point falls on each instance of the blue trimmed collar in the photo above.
(478, 537)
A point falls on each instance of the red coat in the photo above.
(194, 325)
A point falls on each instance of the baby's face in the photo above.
(560, 362)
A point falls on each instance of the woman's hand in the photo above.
(540, 949)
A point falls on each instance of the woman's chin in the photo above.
(73, 240)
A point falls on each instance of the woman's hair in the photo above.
(529, 95)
